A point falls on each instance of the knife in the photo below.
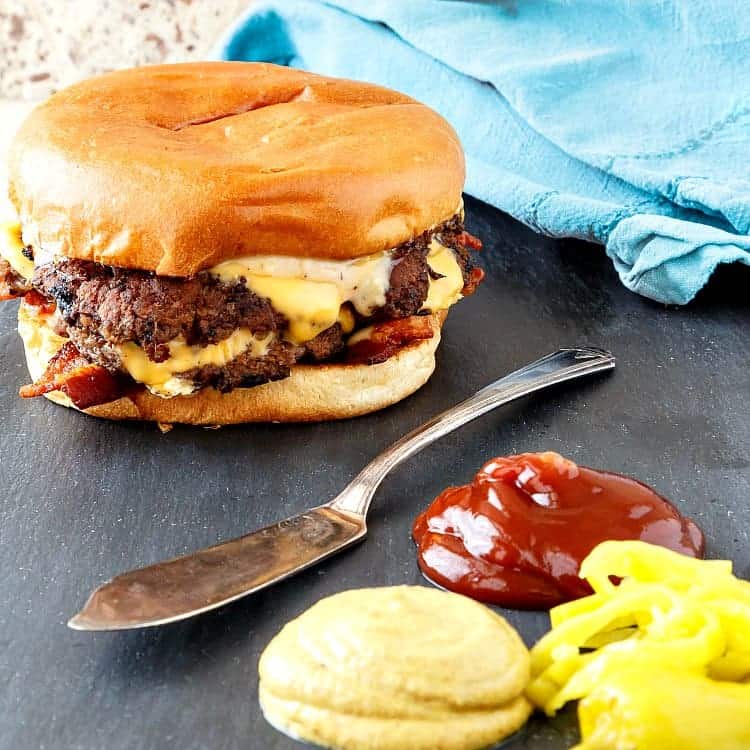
(189, 585)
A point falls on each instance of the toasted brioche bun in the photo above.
(175, 168)
(311, 393)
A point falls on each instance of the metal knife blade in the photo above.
(185, 586)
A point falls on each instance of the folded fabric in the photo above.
(626, 124)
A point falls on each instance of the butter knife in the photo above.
(186, 586)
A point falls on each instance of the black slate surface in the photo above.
(84, 499)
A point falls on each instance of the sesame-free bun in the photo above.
(175, 168)
(311, 393)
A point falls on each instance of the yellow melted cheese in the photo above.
(446, 291)
(310, 292)
(161, 378)
(11, 249)
(310, 306)
(346, 320)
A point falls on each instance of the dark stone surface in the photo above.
(83, 499)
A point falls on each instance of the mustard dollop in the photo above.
(395, 668)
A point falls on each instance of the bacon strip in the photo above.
(387, 338)
(469, 240)
(84, 383)
(475, 279)
(38, 300)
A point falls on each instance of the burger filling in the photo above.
(16, 263)
(239, 324)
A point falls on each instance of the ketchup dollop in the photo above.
(517, 534)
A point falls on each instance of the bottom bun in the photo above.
(311, 393)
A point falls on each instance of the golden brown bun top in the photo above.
(175, 168)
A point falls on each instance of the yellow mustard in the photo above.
(396, 668)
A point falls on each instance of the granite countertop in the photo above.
(48, 44)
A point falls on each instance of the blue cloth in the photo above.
(626, 124)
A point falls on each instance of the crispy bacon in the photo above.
(475, 279)
(84, 383)
(387, 338)
(35, 299)
(469, 240)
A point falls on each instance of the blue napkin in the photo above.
(626, 124)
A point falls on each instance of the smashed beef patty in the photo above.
(102, 307)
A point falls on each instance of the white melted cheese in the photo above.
(39, 337)
(11, 249)
(162, 378)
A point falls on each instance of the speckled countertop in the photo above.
(48, 44)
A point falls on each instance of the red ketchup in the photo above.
(517, 534)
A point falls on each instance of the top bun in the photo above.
(175, 168)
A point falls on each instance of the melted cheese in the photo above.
(361, 335)
(39, 337)
(310, 306)
(162, 378)
(446, 291)
(346, 319)
(11, 249)
(41, 344)
(311, 292)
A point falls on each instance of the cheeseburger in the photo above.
(233, 242)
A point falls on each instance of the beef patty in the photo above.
(103, 307)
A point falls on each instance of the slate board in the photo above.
(83, 500)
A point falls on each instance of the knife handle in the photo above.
(558, 367)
